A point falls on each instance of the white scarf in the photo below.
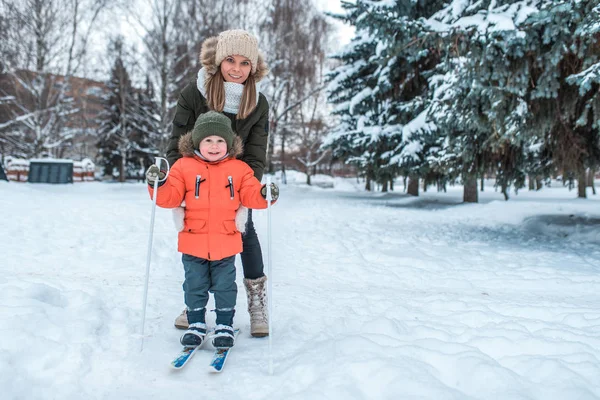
(233, 92)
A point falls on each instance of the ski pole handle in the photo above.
(158, 161)
(269, 196)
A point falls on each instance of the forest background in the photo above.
(435, 92)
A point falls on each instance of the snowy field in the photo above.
(376, 296)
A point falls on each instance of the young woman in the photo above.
(228, 81)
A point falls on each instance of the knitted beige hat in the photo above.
(240, 42)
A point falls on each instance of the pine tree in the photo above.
(116, 121)
(350, 88)
(528, 93)
(145, 122)
(482, 106)
(564, 57)
(393, 55)
(410, 53)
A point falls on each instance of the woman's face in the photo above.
(236, 68)
(213, 147)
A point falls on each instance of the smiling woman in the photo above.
(232, 68)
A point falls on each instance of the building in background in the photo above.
(23, 93)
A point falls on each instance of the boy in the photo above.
(213, 184)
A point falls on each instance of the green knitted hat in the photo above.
(212, 123)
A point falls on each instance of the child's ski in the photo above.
(185, 354)
(220, 356)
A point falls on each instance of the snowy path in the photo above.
(375, 298)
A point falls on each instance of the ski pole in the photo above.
(157, 161)
(269, 272)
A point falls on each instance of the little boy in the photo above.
(213, 184)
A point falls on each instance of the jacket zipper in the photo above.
(230, 186)
(197, 192)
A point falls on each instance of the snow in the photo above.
(376, 296)
(586, 79)
(359, 98)
(496, 18)
(52, 160)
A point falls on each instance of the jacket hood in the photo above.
(208, 60)
(186, 146)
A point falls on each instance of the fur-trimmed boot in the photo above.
(257, 306)
(181, 322)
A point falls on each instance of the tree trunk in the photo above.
(392, 184)
(590, 182)
(504, 188)
(424, 185)
(482, 184)
(308, 176)
(413, 185)
(384, 186)
(581, 184)
(531, 182)
(470, 194)
(368, 184)
(122, 169)
(538, 183)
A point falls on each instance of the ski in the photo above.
(220, 356)
(185, 354)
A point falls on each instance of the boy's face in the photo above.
(213, 148)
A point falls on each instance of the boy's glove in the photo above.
(153, 174)
(274, 191)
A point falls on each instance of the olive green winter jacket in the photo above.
(253, 130)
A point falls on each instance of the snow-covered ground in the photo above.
(376, 296)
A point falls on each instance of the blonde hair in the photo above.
(215, 95)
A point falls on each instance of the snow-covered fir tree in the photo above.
(521, 102)
(478, 111)
(563, 52)
(454, 91)
(409, 54)
(401, 55)
(350, 89)
(117, 130)
(147, 127)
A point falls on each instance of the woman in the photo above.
(227, 82)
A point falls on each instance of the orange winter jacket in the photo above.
(212, 193)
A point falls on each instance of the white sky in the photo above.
(110, 25)
(344, 32)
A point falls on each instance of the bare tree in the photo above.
(295, 58)
(46, 44)
(312, 127)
